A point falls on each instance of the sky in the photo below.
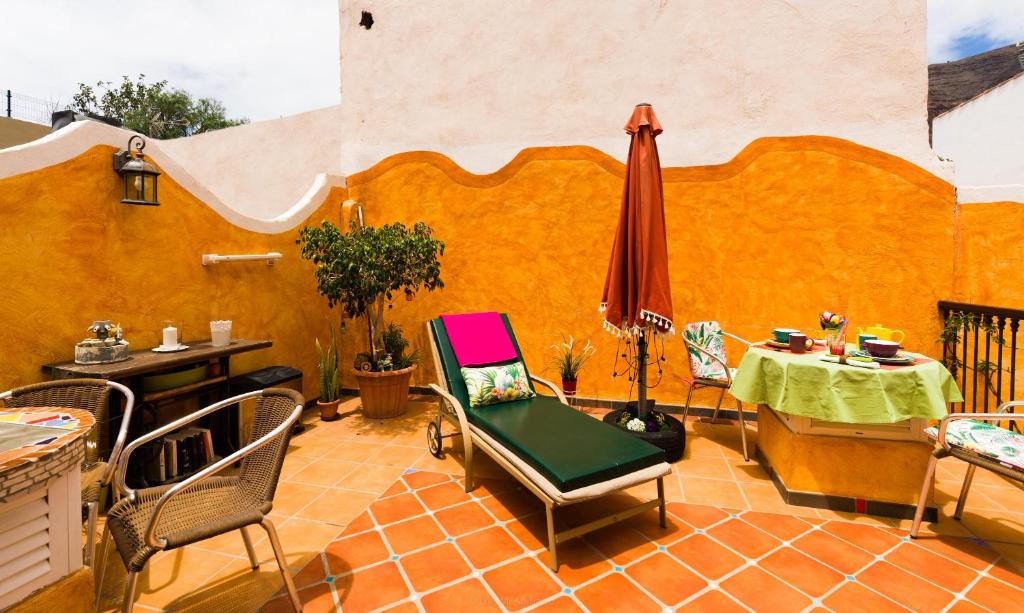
(261, 58)
(268, 58)
(960, 28)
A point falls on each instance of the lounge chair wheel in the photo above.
(434, 440)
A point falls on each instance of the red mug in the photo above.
(797, 342)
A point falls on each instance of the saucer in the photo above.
(898, 359)
(774, 343)
(162, 349)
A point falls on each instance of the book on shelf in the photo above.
(202, 443)
(187, 451)
(155, 470)
(177, 453)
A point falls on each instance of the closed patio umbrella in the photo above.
(637, 299)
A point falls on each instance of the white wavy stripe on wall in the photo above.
(76, 139)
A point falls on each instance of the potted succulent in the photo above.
(569, 362)
(330, 386)
(363, 270)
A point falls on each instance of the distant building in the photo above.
(976, 111)
(15, 131)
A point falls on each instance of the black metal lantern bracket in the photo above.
(134, 167)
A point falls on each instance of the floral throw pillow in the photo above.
(494, 384)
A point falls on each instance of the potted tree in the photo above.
(569, 363)
(330, 386)
(363, 270)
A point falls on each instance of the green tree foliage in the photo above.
(154, 109)
(365, 268)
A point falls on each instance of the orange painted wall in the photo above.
(990, 260)
(71, 253)
(990, 271)
(787, 228)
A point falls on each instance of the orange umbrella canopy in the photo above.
(636, 290)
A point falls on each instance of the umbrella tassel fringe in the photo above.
(662, 325)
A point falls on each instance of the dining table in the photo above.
(844, 434)
(806, 384)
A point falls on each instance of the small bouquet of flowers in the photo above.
(831, 321)
(834, 326)
(655, 422)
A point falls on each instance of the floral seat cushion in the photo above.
(706, 334)
(986, 440)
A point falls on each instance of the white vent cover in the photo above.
(24, 544)
(40, 538)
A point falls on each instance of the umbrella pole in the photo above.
(641, 377)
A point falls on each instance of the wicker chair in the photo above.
(967, 437)
(202, 506)
(90, 395)
(706, 349)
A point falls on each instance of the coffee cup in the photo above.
(864, 337)
(797, 342)
(782, 334)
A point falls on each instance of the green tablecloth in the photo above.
(803, 384)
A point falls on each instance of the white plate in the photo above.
(162, 349)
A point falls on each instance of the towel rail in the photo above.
(270, 258)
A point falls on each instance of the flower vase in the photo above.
(569, 388)
(835, 340)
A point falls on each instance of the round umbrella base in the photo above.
(672, 441)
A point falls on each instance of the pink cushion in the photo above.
(479, 339)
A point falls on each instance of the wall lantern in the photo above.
(139, 176)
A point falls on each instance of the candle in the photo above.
(170, 336)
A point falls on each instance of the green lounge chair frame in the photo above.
(450, 410)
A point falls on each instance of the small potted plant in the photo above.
(569, 362)
(364, 269)
(330, 386)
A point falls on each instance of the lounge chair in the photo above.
(559, 454)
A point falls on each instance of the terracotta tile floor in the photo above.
(371, 521)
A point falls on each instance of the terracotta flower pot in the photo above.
(384, 394)
(328, 410)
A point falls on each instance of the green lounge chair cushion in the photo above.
(571, 449)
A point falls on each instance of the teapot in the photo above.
(883, 333)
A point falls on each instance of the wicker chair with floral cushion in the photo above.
(969, 437)
(91, 395)
(705, 344)
(205, 505)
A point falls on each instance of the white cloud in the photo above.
(1001, 21)
(261, 58)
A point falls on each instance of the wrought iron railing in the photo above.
(979, 347)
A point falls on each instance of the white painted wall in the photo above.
(481, 79)
(263, 168)
(984, 138)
